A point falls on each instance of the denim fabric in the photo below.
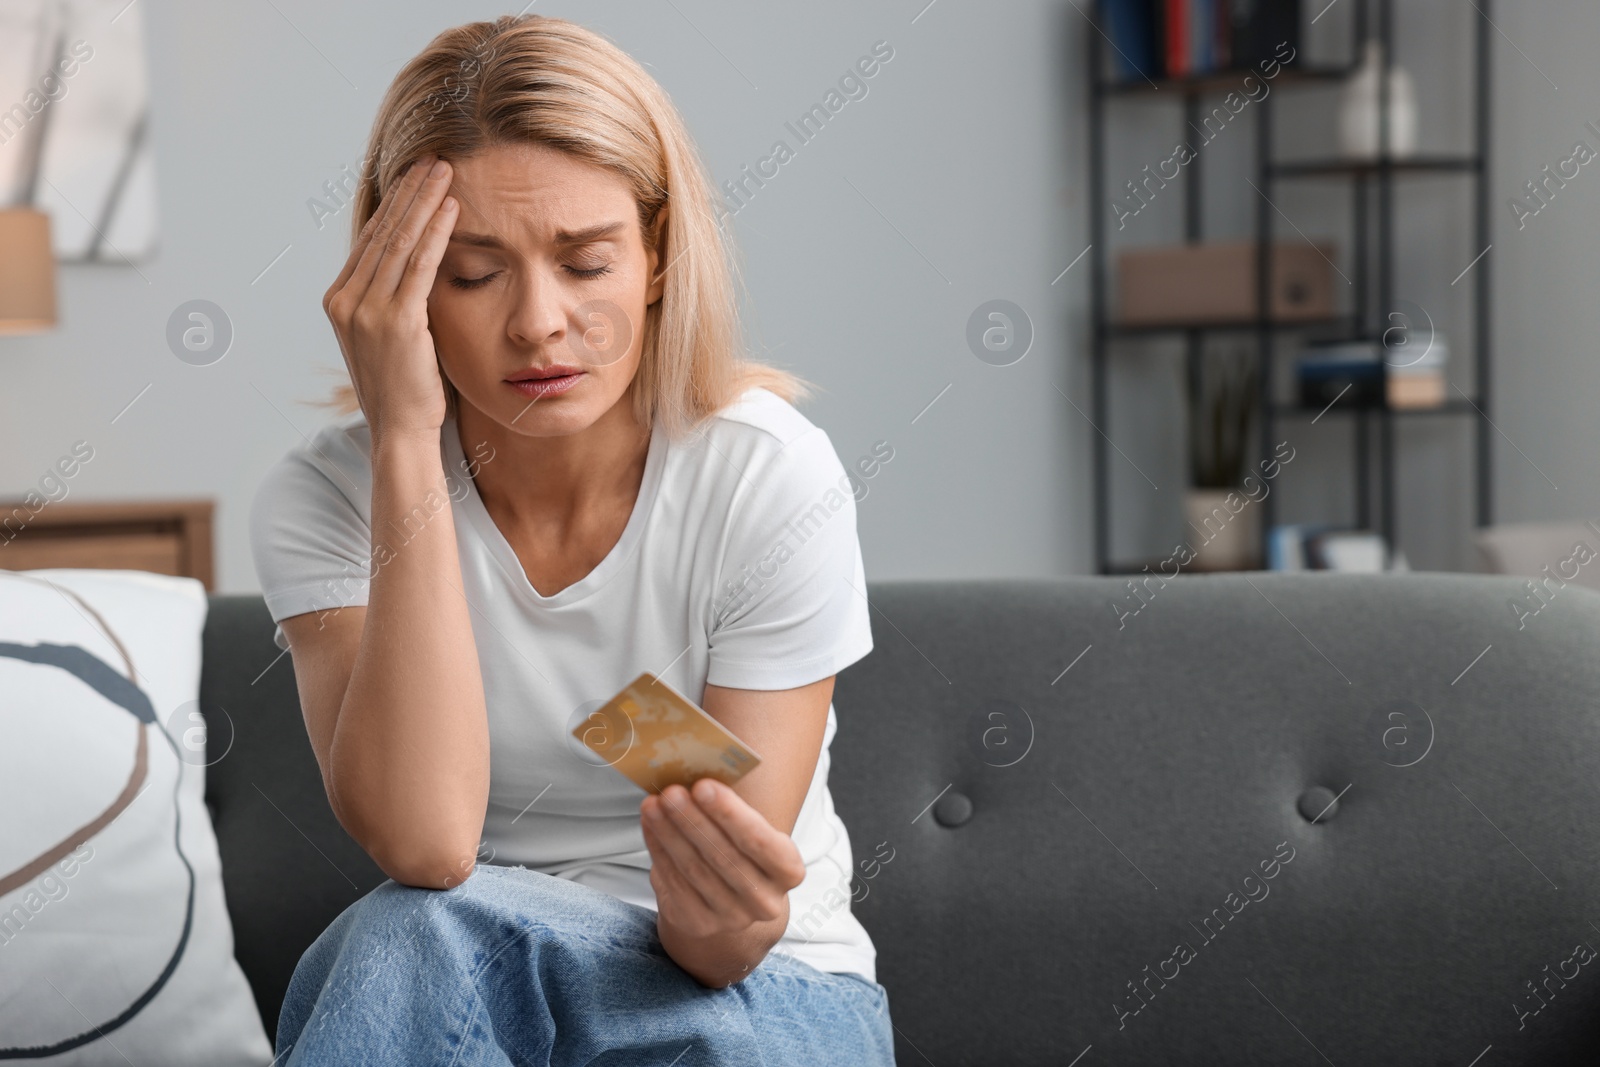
(517, 967)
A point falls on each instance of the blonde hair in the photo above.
(542, 80)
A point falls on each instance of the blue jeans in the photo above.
(517, 967)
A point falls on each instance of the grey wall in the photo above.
(958, 179)
(1548, 317)
(952, 182)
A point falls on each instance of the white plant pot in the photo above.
(1223, 527)
(1358, 109)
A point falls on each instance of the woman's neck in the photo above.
(561, 474)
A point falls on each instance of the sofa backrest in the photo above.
(1249, 819)
(288, 867)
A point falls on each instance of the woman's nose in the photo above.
(538, 312)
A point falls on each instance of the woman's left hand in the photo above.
(717, 865)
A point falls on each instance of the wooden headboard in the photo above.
(166, 536)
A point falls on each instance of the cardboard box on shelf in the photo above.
(1215, 283)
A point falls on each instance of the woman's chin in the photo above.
(539, 416)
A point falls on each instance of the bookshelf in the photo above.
(1370, 184)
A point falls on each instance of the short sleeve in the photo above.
(311, 542)
(792, 594)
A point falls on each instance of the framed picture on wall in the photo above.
(75, 125)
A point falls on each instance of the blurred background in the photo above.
(993, 256)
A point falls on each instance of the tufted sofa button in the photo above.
(1318, 804)
(952, 810)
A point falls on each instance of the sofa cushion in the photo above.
(115, 943)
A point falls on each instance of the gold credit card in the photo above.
(657, 736)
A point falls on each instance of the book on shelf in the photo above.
(1134, 28)
(1416, 391)
(1365, 373)
(1177, 39)
(1350, 373)
(1323, 547)
(1415, 380)
(1185, 38)
(1259, 28)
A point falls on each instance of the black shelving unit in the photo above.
(1371, 188)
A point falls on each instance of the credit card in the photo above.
(657, 736)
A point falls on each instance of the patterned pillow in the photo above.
(115, 941)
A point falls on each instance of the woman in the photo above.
(560, 475)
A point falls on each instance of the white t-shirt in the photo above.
(739, 566)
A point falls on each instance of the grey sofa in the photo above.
(1246, 819)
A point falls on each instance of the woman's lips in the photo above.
(538, 388)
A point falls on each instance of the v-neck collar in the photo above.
(506, 557)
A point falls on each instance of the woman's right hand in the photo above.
(379, 303)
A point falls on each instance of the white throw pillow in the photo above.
(115, 941)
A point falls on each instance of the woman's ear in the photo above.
(656, 258)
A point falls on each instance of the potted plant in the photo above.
(1221, 527)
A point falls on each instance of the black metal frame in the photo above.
(1375, 176)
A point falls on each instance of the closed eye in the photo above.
(474, 283)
